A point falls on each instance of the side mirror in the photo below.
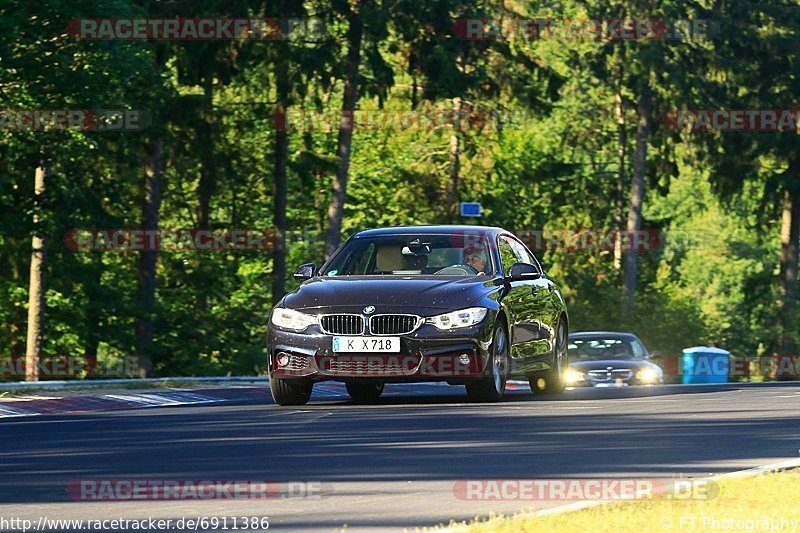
(306, 271)
(524, 271)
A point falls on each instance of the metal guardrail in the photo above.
(89, 383)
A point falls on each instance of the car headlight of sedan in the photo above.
(459, 319)
(647, 375)
(572, 376)
(291, 319)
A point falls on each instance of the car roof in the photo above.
(443, 229)
(605, 334)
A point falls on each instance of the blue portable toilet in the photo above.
(703, 364)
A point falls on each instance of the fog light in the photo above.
(463, 359)
(283, 359)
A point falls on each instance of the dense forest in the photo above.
(349, 114)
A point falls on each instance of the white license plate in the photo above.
(366, 344)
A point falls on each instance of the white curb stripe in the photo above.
(7, 412)
(152, 399)
(160, 400)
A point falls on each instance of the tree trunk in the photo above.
(455, 162)
(92, 338)
(637, 195)
(205, 187)
(345, 139)
(18, 313)
(36, 302)
(280, 186)
(207, 182)
(790, 234)
(320, 188)
(619, 201)
(147, 262)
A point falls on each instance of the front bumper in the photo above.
(619, 382)
(427, 354)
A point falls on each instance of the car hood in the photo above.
(390, 293)
(602, 364)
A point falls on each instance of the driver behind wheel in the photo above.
(476, 259)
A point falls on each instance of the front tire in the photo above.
(290, 391)
(368, 392)
(492, 386)
(552, 381)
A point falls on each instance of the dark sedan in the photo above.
(609, 359)
(468, 305)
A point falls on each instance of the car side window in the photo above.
(507, 255)
(522, 254)
(638, 350)
(525, 255)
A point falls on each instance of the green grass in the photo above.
(771, 496)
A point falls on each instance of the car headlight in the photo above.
(291, 319)
(573, 376)
(459, 319)
(647, 375)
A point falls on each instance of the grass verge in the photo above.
(769, 502)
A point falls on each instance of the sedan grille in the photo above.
(342, 324)
(394, 324)
(622, 374)
(610, 375)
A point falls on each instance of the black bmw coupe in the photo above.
(468, 305)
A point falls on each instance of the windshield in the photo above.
(412, 255)
(603, 348)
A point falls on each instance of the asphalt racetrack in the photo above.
(393, 465)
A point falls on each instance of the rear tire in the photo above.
(290, 391)
(368, 392)
(492, 386)
(552, 381)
